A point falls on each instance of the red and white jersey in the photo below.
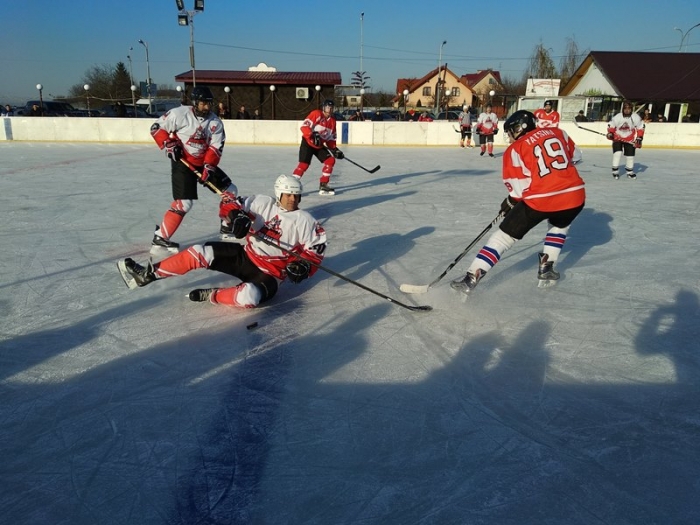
(547, 120)
(626, 129)
(538, 168)
(324, 126)
(487, 123)
(202, 138)
(296, 231)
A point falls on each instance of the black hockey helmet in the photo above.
(548, 103)
(520, 123)
(201, 93)
(328, 102)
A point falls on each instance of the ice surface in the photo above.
(574, 404)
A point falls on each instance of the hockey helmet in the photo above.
(548, 103)
(520, 123)
(287, 184)
(201, 94)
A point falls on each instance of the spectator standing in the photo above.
(543, 183)
(7, 111)
(243, 113)
(425, 117)
(547, 117)
(411, 115)
(646, 116)
(257, 115)
(223, 112)
(119, 109)
(626, 130)
(195, 134)
(465, 127)
(357, 116)
(580, 117)
(260, 266)
(319, 140)
(36, 111)
(487, 127)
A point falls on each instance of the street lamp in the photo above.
(405, 101)
(318, 95)
(182, 95)
(148, 75)
(448, 94)
(684, 35)
(131, 66)
(41, 98)
(272, 93)
(437, 100)
(227, 90)
(86, 87)
(133, 98)
(362, 101)
(186, 18)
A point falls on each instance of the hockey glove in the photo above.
(298, 270)
(173, 149)
(495, 131)
(240, 223)
(610, 136)
(338, 154)
(638, 142)
(316, 139)
(507, 205)
(207, 172)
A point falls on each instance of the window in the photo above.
(492, 80)
(455, 92)
(426, 91)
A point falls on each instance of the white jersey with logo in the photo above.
(626, 129)
(202, 138)
(487, 123)
(296, 231)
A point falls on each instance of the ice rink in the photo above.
(576, 404)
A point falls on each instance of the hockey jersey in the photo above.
(487, 123)
(296, 231)
(324, 126)
(539, 168)
(547, 120)
(626, 129)
(202, 138)
(465, 119)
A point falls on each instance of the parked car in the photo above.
(52, 108)
(448, 115)
(110, 111)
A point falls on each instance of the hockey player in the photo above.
(543, 183)
(195, 134)
(319, 140)
(260, 266)
(547, 117)
(487, 127)
(626, 130)
(465, 127)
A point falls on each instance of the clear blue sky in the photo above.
(55, 42)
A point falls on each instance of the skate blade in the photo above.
(326, 193)
(126, 276)
(546, 283)
(161, 250)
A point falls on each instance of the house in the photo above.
(440, 87)
(277, 94)
(667, 83)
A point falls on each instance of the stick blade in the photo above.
(375, 170)
(414, 288)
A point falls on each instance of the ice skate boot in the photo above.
(226, 232)
(162, 242)
(616, 174)
(134, 274)
(546, 275)
(467, 283)
(631, 174)
(325, 189)
(200, 295)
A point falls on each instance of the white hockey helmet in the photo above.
(287, 184)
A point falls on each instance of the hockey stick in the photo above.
(373, 170)
(340, 276)
(199, 176)
(591, 130)
(327, 270)
(417, 288)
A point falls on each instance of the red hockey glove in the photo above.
(173, 149)
(638, 142)
(610, 136)
(207, 172)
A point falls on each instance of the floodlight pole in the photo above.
(437, 97)
(148, 73)
(684, 35)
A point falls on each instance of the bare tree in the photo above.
(540, 64)
(512, 86)
(570, 61)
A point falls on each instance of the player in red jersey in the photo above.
(543, 183)
(547, 117)
(319, 140)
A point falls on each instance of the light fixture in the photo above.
(272, 87)
(178, 88)
(180, 5)
(227, 89)
(199, 5)
(39, 87)
(318, 88)
(86, 87)
(183, 19)
(492, 93)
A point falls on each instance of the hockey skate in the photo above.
(631, 175)
(325, 189)
(200, 295)
(467, 283)
(135, 275)
(616, 174)
(226, 233)
(159, 243)
(546, 276)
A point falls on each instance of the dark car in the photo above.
(110, 111)
(448, 115)
(52, 108)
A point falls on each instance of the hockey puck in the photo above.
(251, 326)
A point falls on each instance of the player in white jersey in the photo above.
(626, 130)
(487, 126)
(195, 134)
(465, 127)
(260, 264)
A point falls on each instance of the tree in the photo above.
(540, 64)
(101, 82)
(513, 86)
(570, 60)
